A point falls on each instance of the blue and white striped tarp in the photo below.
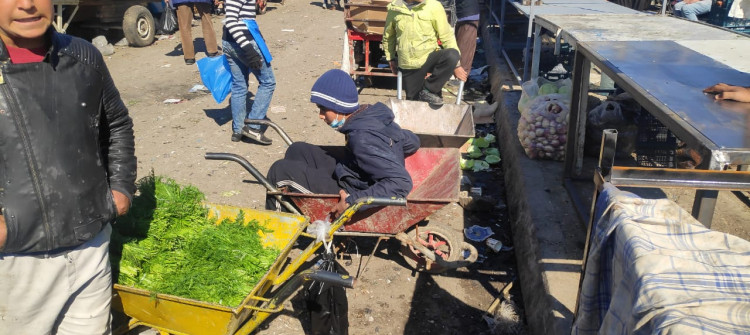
(653, 269)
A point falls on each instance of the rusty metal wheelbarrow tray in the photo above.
(176, 315)
(436, 176)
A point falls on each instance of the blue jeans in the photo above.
(691, 11)
(240, 73)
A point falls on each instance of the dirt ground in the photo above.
(305, 40)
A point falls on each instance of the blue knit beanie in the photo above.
(336, 91)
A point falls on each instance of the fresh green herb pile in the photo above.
(166, 244)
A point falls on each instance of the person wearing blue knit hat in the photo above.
(373, 165)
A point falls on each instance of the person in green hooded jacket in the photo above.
(419, 41)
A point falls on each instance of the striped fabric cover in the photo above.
(653, 269)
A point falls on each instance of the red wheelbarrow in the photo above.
(435, 174)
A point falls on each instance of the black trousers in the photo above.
(439, 64)
(305, 167)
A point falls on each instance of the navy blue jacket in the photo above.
(378, 146)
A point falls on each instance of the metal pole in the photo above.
(399, 85)
(460, 92)
(529, 36)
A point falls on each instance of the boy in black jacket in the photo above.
(67, 168)
(374, 162)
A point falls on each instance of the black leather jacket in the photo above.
(66, 141)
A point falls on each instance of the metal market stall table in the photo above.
(589, 8)
(623, 27)
(667, 78)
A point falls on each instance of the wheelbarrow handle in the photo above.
(277, 128)
(333, 278)
(253, 171)
(293, 284)
(364, 201)
(393, 201)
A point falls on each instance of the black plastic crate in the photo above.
(656, 145)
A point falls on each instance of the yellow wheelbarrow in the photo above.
(170, 314)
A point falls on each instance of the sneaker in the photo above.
(236, 137)
(189, 61)
(256, 135)
(429, 97)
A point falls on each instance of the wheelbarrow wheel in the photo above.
(436, 238)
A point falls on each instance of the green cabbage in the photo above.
(492, 159)
(481, 166)
(466, 164)
(548, 88)
(474, 151)
(492, 151)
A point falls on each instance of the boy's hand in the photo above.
(121, 202)
(341, 206)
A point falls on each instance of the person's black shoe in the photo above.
(429, 97)
(212, 54)
(256, 135)
(189, 61)
(236, 137)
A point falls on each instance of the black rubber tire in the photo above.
(452, 247)
(138, 26)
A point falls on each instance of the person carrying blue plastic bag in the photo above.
(245, 54)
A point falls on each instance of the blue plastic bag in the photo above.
(252, 26)
(216, 76)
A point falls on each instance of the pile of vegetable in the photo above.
(167, 244)
(542, 128)
(478, 147)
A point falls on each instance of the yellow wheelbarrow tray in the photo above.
(176, 315)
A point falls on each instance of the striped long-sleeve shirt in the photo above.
(237, 11)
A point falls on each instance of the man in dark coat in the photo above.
(373, 164)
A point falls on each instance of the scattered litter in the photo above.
(465, 180)
(288, 30)
(494, 244)
(230, 193)
(167, 65)
(503, 315)
(478, 233)
(172, 101)
(558, 69)
(479, 75)
(335, 27)
(278, 109)
(198, 87)
(476, 191)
